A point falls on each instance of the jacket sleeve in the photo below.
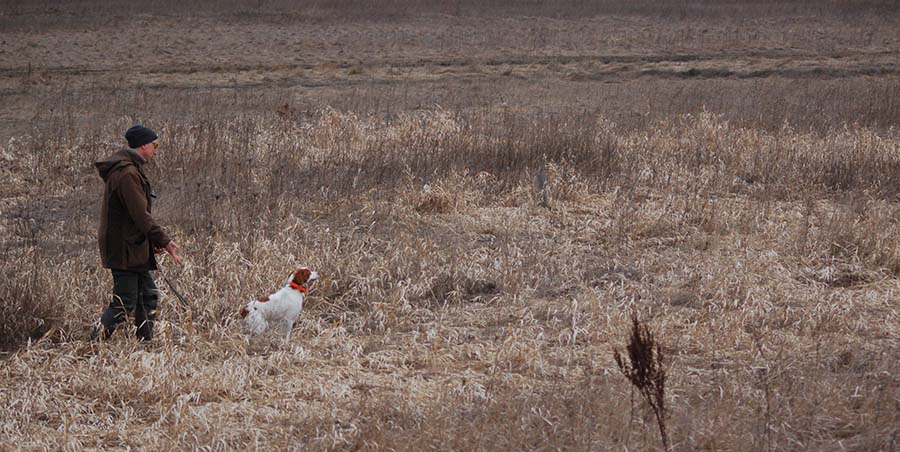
(132, 195)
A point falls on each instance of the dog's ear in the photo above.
(301, 275)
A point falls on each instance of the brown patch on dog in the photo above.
(263, 299)
(244, 312)
(301, 275)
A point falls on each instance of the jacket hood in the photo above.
(117, 161)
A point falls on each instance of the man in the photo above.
(129, 237)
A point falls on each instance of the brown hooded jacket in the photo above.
(128, 235)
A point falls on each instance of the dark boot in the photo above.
(114, 315)
(143, 321)
(125, 296)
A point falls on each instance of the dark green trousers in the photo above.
(133, 293)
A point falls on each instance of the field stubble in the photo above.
(454, 310)
(458, 308)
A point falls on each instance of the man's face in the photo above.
(149, 150)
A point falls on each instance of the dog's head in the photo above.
(302, 276)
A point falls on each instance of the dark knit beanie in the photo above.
(139, 135)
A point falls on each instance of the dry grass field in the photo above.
(728, 172)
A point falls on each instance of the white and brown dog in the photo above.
(280, 309)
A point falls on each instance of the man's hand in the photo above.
(172, 249)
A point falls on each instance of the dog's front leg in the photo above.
(285, 328)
